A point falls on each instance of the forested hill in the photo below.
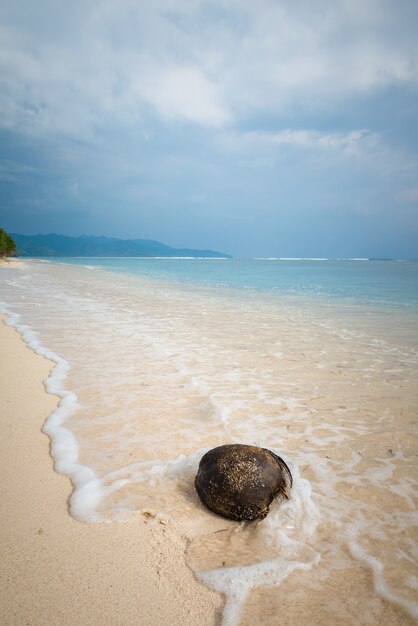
(61, 245)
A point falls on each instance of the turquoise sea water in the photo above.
(374, 283)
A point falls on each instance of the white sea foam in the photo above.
(380, 585)
(64, 446)
(292, 258)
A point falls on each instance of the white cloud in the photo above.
(183, 93)
(348, 144)
(317, 54)
(83, 65)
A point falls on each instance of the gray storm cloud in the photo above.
(209, 63)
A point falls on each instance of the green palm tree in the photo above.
(7, 245)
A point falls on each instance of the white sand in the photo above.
(57, 571)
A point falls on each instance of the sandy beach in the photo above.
(56, 570)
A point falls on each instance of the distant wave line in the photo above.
(282, 258)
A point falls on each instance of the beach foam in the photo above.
(64, 446)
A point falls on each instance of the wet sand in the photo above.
(56, 570)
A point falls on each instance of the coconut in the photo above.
(240, 482)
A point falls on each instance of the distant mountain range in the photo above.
(63, 246)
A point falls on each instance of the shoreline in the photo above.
(57, 570)
(10, 262)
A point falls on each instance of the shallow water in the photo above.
(158, 365)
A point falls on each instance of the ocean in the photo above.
(159, 360)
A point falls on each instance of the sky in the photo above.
(257, 128)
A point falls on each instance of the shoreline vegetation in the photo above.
(7, 245)
(56, 570)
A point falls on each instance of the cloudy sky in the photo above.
(259, 128)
